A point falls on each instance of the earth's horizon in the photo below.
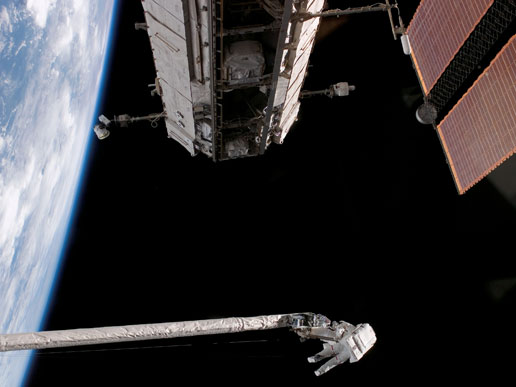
(52, 63)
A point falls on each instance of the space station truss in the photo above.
(230, 72)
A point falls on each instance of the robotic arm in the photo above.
(342, 341)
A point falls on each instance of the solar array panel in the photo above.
(479, 133)
(438, 30)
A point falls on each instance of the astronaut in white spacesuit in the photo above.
(342, 342)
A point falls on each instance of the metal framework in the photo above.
(230, 72)
(287, 13)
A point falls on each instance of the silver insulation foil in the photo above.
(89, 336)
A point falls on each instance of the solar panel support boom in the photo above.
(387, 7)
(348, 11)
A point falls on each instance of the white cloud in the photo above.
(63, 36)
(10, 46)
(5, 20)
(5, 27)
(7, 85)
(22, 45)
(17, 184)
(15, 13)
(73, 31)
(40, 9)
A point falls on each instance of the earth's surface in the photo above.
(52, 59)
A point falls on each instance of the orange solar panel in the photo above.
(438, 30)
(479, 133)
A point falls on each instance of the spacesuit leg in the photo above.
(326, 352)
(338, 359)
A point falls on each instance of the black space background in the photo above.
(355, 216)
